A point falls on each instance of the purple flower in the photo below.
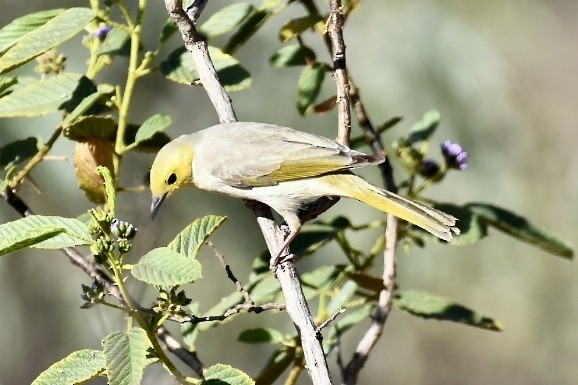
(429, 168)
(102, 31)
(455, 156)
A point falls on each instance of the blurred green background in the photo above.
(504, 76)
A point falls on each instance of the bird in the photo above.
(283, 168)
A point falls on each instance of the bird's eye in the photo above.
(172, 178)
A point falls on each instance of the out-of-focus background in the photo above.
(504, 76)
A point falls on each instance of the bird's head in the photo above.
(171, 170)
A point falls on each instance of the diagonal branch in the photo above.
(295, 300)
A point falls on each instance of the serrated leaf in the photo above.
(76, 368)
(226, 19)
(26, 238)
(521, 229)
(424, 129)
(188, 241)
(125, 356)
(225, 375)
(116, 42)
(308, 87)
(41, 97)
(292, 55)
(429, 306)
(180, 67)
(34, 231)
(251, 25)
(261, 336)
(11, 33)
(91, 127)
(19, 151)
(299, 25)
(109, 188)
(54, 32)
(165, 267)
(151, 126)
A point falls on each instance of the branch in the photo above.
(200, 52)
(296, 304)
(335, 29)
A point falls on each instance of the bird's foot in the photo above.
(274, 263)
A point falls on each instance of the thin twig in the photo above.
(330, 319)
(248, 307)
(230, 274)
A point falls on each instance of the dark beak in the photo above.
(156, 205)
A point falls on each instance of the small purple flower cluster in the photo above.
(102, 31)
(455, 156)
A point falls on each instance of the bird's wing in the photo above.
(265, 155)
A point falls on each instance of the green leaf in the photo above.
(321, 276)
(309, 241)
(292, 55)
(125, 356)
(261, 336)
(165, 267)
(424, 129)
(18, 151)
(25, 238)
(81, 108)
(279, 361)
(429, 306)
(153, 144)
(345, 293)
(251, 25)
(91, 127)
(345, 322)
(188, 241)
(180, 67)
(6, 82)
(519, 227)
(43, 232)
(472, 227)
(109, 187)
(225, 375)
(13, 32)
(151, 126)
(54, 32)
(366, 281)
(116, 42)
(226, 19)
(299, 25)
(41, 97)
(309, 86)
(168, 30)
(76, 368)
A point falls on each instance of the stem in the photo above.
(135, 314)
(15, 183)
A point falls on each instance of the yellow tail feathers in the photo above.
(437, 222)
